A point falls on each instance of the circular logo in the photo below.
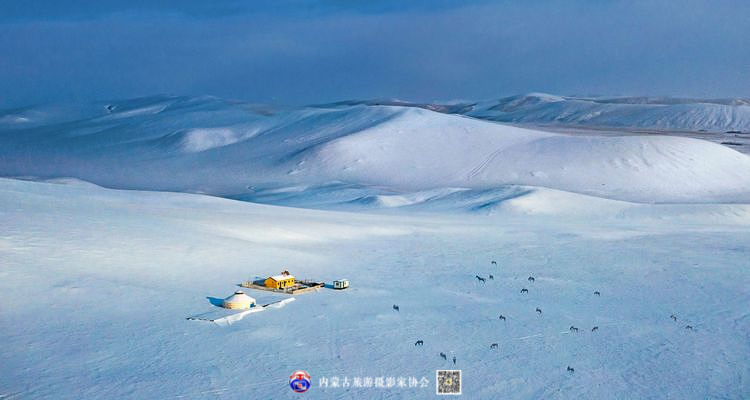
(300, 381)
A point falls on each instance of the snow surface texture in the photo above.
(209, 145)
(96, 285)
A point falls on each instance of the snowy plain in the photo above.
(408, 204)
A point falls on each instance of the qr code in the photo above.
(448, 381)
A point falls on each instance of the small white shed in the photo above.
(341, 284)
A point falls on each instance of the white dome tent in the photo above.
(239, 301)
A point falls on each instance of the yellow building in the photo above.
(279, 281)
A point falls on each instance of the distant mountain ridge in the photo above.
(655, 113)
(641, 112)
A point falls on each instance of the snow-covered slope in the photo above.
(227, 148)
(96, 284)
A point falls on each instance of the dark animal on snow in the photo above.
(492, 277)
(597, 293)
(674, 317)
(531, 279)
(570, 369)
(395, 307)
(493, 346)
(502, 317)
(494, 262)
(539, 310)
(524, 290)
(594, 329)
(573, 329)
(419, 343)
(454, 359)
(481, 279)
(444, 356)
(690, 327)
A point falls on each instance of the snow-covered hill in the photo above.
(422, 149)
(231, 149)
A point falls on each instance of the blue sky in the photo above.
(302, 52)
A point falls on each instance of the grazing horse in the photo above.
(689, 327)
(531, 279)
(419, 342)
(395, 307)
(494, 262)
(444, 356)
(479, 278)
(674, 317)
(539, 310)
(492, 277)
(502, 317)
(493, 346)
(570, 369)
(594, 329)
(524, 290)
(597, 293)
(573, 329)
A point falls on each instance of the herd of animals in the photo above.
(538, 310)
